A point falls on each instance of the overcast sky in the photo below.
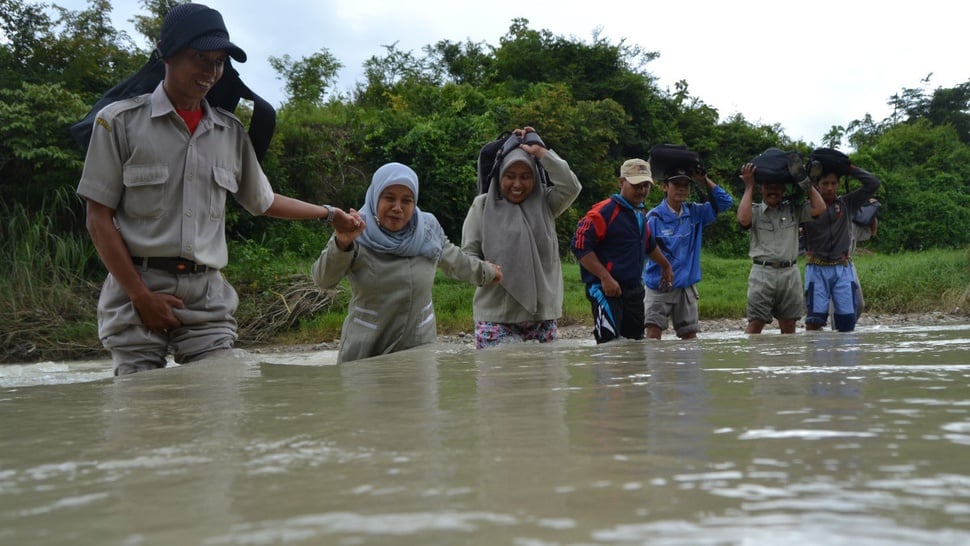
(806, 66)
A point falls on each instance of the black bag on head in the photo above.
(772, 167)
(490, 158)
(832, 160)
(667, 157)
(225, 94)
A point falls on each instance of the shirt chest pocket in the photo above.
(788, 222)
(781, 224)
(765, 224)
(145, 190)
(225, 181)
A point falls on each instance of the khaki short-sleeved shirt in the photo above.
(168, 188)
(774, 232)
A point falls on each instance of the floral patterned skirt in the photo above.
(488, 334)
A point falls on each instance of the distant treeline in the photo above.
(595, 102)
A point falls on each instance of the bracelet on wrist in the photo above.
(329, 219)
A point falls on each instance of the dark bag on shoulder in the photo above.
(832, 160)
(772, 167)
(867, 213)
(490, 158)
(225, 94)
(668, 157)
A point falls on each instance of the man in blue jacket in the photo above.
(678, 226)
(611, 243)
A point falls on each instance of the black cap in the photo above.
(199, 27)
(676, 174)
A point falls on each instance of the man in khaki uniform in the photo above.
(774, 282)
(156, 176)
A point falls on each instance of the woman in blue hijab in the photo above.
(390, 261)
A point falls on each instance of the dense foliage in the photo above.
(595, 102)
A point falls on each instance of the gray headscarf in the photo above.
(522, 239)
(423, 236)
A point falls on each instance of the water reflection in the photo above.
(176, 432)
(522, 444)
(398, 427)
(808, 439)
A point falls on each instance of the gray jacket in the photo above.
(390, 306)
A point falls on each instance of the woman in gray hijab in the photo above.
(390, 261)
(514, 225)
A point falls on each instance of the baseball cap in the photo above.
(677, 175)
(636, 171)
(199, 27)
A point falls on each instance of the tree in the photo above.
(53, 69)
(925, 173)
(36, 153)
(468, 63)
(308, 79)
(150, 25)
(77, 49)
(952, 107)
(833, 138)
(908, 104)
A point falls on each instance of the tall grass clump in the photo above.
(45, 297)
(915, 282)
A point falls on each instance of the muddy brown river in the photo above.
(813, 439)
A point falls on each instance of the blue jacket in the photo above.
(679, 237)
(617, 233)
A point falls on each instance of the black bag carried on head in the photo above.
(772, 167)
(225, 94)
(832, 160)
(490, 158)
(668, 157)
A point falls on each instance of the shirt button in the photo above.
(188, 213)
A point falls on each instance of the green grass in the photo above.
(916, 282)
(937, 280)
(723, 290)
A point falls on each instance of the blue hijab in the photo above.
(422, 236)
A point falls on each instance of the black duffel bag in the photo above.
(772, 167)
(832, 160)
(666, 158)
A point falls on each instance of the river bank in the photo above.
(584, 331)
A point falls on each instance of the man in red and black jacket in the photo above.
(612, 242)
